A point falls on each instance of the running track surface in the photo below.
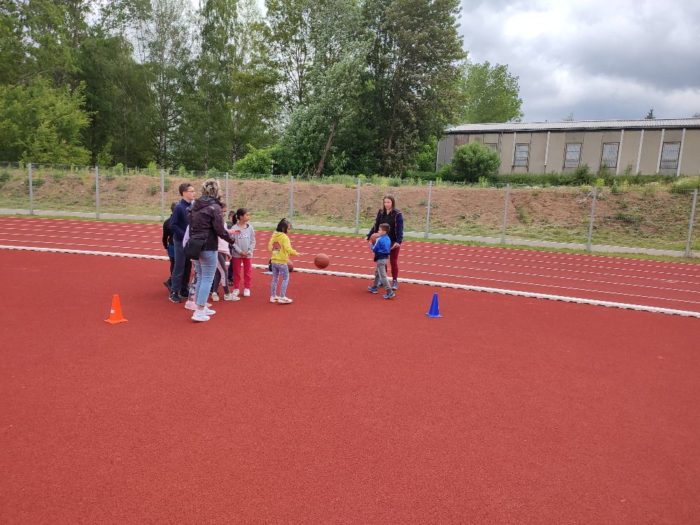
(340, 408)
(649, 283)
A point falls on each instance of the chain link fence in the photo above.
(654, 218)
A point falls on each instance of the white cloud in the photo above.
(593, 58)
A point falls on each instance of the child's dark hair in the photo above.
(240, 212)
(283, 226)
(385, 227)
(172, 206)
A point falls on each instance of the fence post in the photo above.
(226, 191)
(427, 211)
(97, 192)
(357, 208)
(691, 222)
(505, 214)
(31, 189)
(291, 197)
(162, 195)
(592, 219)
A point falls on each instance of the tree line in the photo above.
(311, 87)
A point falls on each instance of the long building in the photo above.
(663, 146)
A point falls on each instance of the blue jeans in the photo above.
(280, 270)
(205, 267)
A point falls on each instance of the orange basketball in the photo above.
(322, 260)
(373, 238)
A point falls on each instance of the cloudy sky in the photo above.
(595, 59)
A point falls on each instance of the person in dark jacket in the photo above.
(394, 218)
(207, 225)
(179, 221)
(169, 245)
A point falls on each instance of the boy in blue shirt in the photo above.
(381, 249)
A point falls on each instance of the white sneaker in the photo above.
(191, 305)
(246, 293)
(231, 297)
(273, 299)
(284, 300)
(215, 297)
(236, 292)
(207, 311)
(200, 316)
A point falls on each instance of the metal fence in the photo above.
(655, 218)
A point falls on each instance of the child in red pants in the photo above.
(243, 252)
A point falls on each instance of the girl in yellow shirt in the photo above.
(281, 248)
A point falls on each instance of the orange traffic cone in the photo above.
(115, 314)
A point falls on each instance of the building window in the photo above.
(669, 155)
(492, 145)
(572, 156)
(609, 159)
(522, 155)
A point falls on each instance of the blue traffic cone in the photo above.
(434, 308)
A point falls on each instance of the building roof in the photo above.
(581, 125)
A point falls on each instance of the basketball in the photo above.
(322, 260)
(373, 238)
(290, 266)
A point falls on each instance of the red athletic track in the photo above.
(340, 408)
(649, 283)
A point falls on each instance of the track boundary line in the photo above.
(472, 288)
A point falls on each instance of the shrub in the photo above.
(582, 176)
(153, 189)
(256, 162)
(474, 160)
(685, 185)
(4, 178)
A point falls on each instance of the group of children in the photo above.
(235, 260)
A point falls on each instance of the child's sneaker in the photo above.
(191, 305)
(394, 284)
(284, 300)
(372, 289)
(208, 311)
(246, 293)
(231, 297)
(215, 297)
(236, 292)
(389, 295)
(273, 299)
(200, 316)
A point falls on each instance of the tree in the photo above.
(474, 160)
(412, 75)
(334, 85)
(168, 56)
(289, 34)
(491, 94)
(117, 97)
(40, 123)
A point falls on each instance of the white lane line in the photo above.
(517, 293)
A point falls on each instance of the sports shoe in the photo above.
(231, 297)
(246, 292)
(274, 299)
(284, 300)
(389, 295)
(191, 305)
(236, 292)
(184, 294)
(394, 284)
(215, 297)
(174, 298)
(372, 289)
(208, 311)
(200, 316)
